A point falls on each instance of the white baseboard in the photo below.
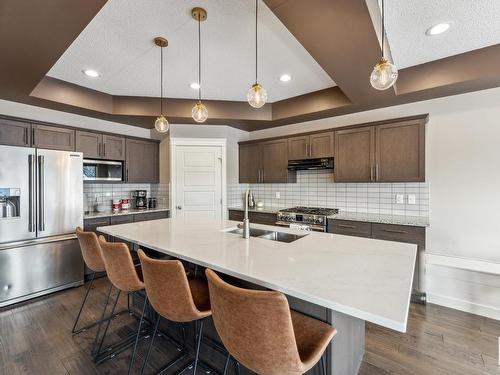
(463, 305)
(469, 285)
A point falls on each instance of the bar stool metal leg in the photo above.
(150, 344)
(108, 323)
(74, 330)
(101, 320)
(226, 364)
(199, 335)
(131, 365)
(323, 367)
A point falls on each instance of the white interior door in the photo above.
(198, 179)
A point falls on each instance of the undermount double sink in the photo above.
(269, 234)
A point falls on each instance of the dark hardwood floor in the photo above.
(35, 338)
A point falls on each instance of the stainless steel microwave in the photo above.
(102, 170)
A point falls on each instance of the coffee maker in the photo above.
(140, 198)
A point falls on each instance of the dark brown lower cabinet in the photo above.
(267, 218)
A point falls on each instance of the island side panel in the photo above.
(348, 346)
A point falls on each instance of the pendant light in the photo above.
(384, 74)
(199, 111)
(161, 123)
(257, 95)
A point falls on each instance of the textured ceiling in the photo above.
(118, 44)
(474, 24)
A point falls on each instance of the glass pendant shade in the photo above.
(199, 112)
(384, 75)
(161, 124)
(257, 96)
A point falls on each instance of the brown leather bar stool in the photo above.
(91, 252)
(261, 332)
(175, 297)
(125, 278)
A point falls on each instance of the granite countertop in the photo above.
(416, 221)
(351, 275)
(269, 210)
(132, 211)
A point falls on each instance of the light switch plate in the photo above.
(277, 195)
(412, 199)
(400, 198)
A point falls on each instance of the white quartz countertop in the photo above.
(365, 278)
(132, 211)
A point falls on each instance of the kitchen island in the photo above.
(353, 279)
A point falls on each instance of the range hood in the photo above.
(305, 164)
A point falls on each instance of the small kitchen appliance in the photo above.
(140, 198)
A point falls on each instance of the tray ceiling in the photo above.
(474, 24)
(118, 44)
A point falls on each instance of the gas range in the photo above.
(307, 218)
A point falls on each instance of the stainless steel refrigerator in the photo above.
(41, 204)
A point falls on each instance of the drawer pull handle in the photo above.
(395, 231)
(347, 226)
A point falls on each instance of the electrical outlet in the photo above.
(400, 198)
(277, 195)
(412, 199)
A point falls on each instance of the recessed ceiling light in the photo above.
(90, 73)
(285, 78)
(437, 29)
(194, 85)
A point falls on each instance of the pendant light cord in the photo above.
(161, 81)
(256, 37)
(383, 28)
(199, 58)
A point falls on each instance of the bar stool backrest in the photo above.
(91, 250)
(168, 289)
(255, 326)
(120, 266)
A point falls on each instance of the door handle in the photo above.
(179, 207)
(376, 172)
(41, 191)
(104, 149)
(371, 172)
(32, 177)
(306, 148)
(310, 150)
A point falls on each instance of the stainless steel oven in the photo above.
(102, 170)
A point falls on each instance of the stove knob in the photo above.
(319, 220)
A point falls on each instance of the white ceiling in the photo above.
(474, 24)
(118, 43)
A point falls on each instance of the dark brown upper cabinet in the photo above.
(392, 152)
(113, 148)
(275, 161)
(317, 145)
(400, 152)
(89, 143)
(250, 163)
(53, 137)
(142, 161)
(265, 162)
(354, 155)
(15, 133)
(100, 146)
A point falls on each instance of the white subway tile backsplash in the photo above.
(317, 189)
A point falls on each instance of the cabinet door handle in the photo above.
(99, 149)
(310, 150)
(395, 231)
(306, 146)
(371, 172)
(104, 149)
(376, 172)
(347, 226)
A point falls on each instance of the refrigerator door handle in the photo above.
(41, 191)
(32, 178)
